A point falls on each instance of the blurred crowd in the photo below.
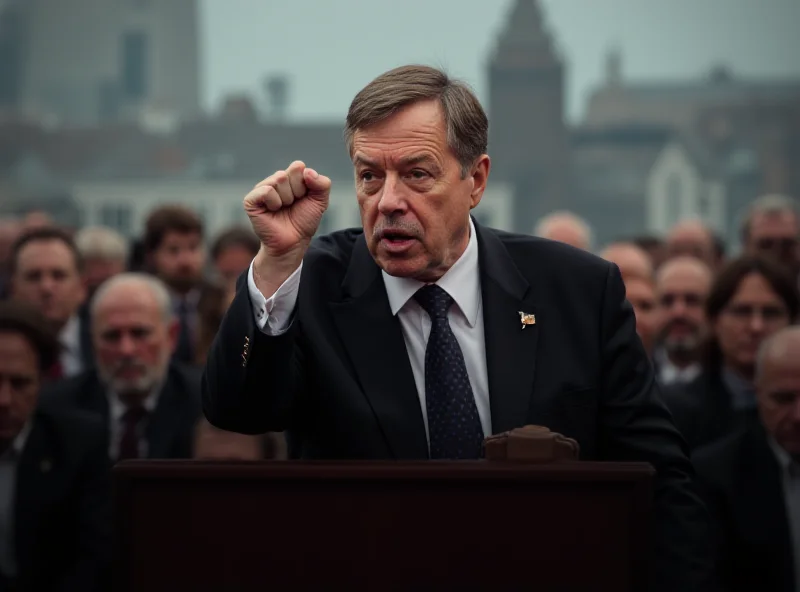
(103, 341)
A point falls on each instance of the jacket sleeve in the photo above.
(250, 378)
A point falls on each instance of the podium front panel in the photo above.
(281, 525)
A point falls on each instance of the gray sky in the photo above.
(331, 48)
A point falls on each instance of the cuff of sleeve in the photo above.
(274, 315)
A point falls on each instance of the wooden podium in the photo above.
(477, 525)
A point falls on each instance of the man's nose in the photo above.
(392, 199)
(127, 345)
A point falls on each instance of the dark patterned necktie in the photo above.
(453, 421)
(131, 432)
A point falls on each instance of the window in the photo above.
(116, 217)
(134, 65)
(674, 197)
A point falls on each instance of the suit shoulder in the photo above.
(540, 255)
(74, 429)
(62, 393)
(334, 246)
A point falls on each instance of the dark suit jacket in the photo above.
(170, 431)
(741, 481)
(703, 410)
(340, 379)
(63, 505)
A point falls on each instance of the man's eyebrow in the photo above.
(417, 159)
(363, 160)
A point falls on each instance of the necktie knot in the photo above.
(435, 301)
(134, 415)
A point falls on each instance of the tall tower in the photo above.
(528, 138)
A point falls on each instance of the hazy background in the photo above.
(332, 48)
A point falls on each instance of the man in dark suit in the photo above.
(425, 332)
(55, 494)
(150, 404)
(46, 269)
(752, 480)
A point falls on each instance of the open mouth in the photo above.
(396, 241)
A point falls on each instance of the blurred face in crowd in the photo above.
(179, 260)
(232, 261)
(682, 287)
(19, 384)
(776, 235)
(632, 261)
(694, 240)
(48, 278)
(754, 313)
(567, 231)
(96, 271)
(778, 390)
(642, 297)
(133, 340)
(413, 199)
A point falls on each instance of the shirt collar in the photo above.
(786, 462)
(118, 408)
(19, 442)
(461, 282)
(69, 337)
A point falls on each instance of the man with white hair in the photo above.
(752, 479)
(104, 252)
(150, 403)
(565, 227)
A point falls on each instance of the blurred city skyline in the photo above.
(329, 50)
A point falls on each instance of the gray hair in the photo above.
(99, 242)
(542, 228)
(772, 204)
(774, 344)
(132, 279)
(465, 120)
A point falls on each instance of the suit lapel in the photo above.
(36, 472)
(165, 423)
(510, 348)
(374, 342)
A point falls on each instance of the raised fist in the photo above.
(285, 209)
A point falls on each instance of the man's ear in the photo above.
(480, 176)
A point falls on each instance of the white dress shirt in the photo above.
(117, 409)
(669, 373)
(70, 340)
(462, 282)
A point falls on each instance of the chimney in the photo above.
(276, 89)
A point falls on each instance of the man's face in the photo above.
(47, 277)
(179, 260)
(779, 396)
(692, 241)
(414, 202)
(754, 313)
(19, 384)
(232, 261)
(642, 297)
(682, 291)
(776, 236)
(96, 271)
(133, 342)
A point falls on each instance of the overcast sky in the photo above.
(331, 48)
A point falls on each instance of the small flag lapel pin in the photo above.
(527, 319)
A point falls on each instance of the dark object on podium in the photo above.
(531, 444)
(381, 525)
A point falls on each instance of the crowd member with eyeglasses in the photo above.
(751, 299)
(772, 228)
